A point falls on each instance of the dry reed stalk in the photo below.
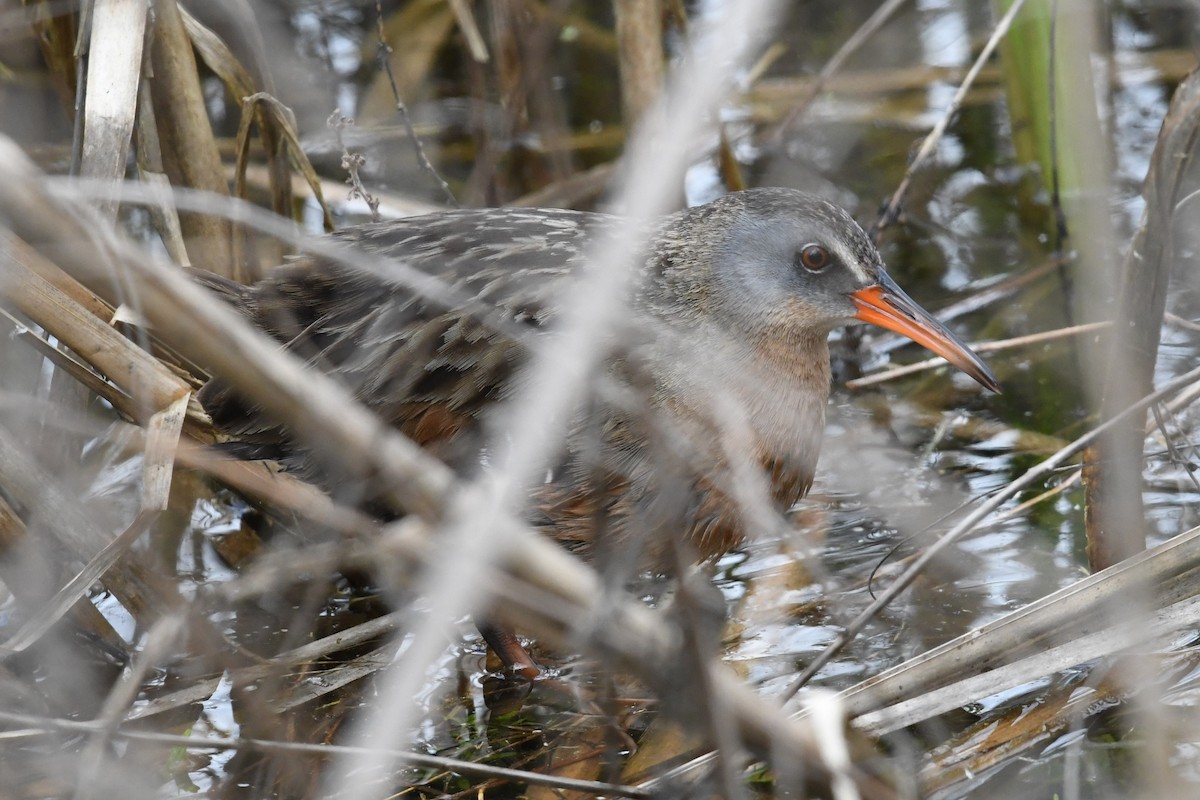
(1115, 510)
(189, 151)
(113, 78)
(639, 55)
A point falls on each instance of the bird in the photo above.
(721, 364)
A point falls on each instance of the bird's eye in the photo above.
(813, 258)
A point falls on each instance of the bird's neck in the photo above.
(787, 393)
(766, 396)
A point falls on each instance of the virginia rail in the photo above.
(725, 353)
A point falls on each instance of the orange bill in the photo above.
(885, 304)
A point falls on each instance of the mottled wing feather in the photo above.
(402, 354)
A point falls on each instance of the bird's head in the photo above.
(785, 260)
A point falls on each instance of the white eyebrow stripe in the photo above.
(848, 257)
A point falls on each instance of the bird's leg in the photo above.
(504, 643)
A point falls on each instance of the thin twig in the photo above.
(831, 68)
(1180, 322)
(979, 347)
(890, 211)
(352, 163)
(383, 51)
(470, 30)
